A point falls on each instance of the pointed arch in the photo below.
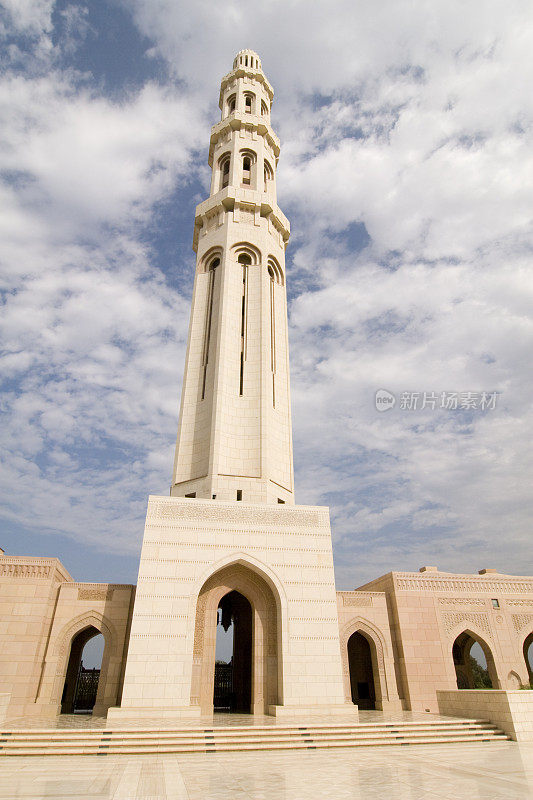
(460, 653)
(379, 653)
(251, 154)
(88, 619)
(526, 645)
(244, 559)
(61, 651)
(238, 575)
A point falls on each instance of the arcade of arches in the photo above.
(384, 666)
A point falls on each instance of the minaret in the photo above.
(234, 436)
(265, 559)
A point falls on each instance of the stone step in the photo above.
(229, 732)
(271, 745)
(72, 733)
(226, 739)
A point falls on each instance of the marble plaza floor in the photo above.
(502, 771)
(496, 771)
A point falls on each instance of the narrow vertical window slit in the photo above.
(244, 302)
(208, 319)
(272, 336)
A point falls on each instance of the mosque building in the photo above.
(229, 547)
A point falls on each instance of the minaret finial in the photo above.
(247, 59)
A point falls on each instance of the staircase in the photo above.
(136, 741)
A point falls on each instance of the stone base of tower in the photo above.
(277, 561)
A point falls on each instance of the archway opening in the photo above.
(233, 657)
(528, 656)
(241, 593)
(474, 664)
(83, 672)
(361, 671)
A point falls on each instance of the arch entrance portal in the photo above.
(81, 684)
(361, 671)
(240, 596)
(233, 677)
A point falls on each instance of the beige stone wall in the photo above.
(29, 591)
(430, 609)
(4, 706)
(511, 711)
(41, 611)
(366, 613)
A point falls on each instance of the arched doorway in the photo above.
(81, 681)
(256, 633)
(233, 665)
(361, 670)
(528, 656)
(474, 664)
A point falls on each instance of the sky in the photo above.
(406, 172)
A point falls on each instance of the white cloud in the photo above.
(413, 119)
(33, 17)
(93, 337)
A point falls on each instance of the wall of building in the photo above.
(42, 609)
(29, 591)
(430, 609)
(511, 711)
(410, 621)
(366, 613)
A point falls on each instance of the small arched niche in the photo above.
(249, 103)
(248, 168)
(224, 165)
(231, 104)
(211, 259)
(268, 175)
(274, 270)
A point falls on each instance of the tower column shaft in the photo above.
(234, 437)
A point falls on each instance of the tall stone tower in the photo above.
(234, 437)
(229, 537)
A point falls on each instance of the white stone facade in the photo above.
(286, 549)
